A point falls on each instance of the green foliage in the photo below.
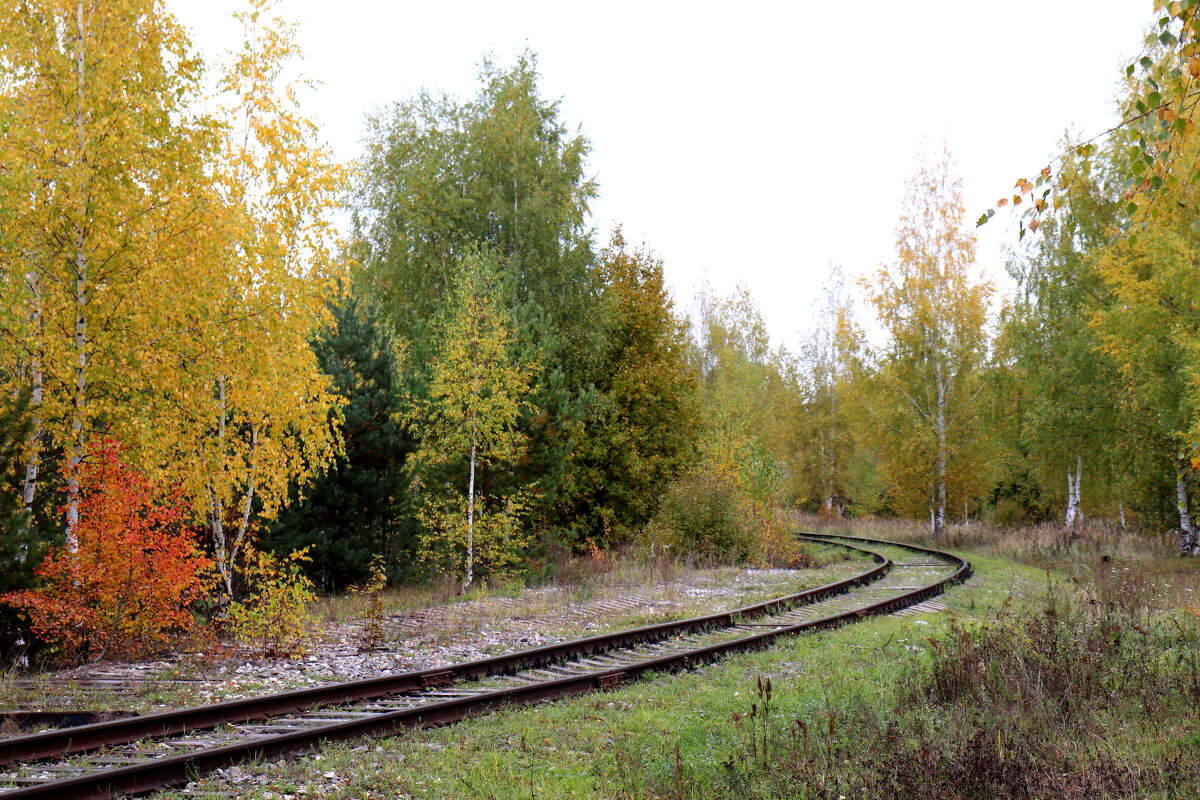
(705, 516)
(359, 505)
(21, 548)
(642, 419)
(500, 171)
(273, 618)
(477, 393)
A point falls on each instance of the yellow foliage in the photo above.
(274, 618)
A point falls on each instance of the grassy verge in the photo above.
(713, 733)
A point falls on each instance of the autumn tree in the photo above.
(750, 403)
(1151, 330)
(827, 360)
(1070, 418)
(241, 403)
(99, 155)
(133, 575)
(934, 312)
(477, 394)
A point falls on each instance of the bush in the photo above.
(274, 618)
(134, 578)
(705, 516)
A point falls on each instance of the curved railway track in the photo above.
(138, 754)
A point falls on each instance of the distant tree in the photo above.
(477, 394)
(827, 360)
(353, 511)
(929, 374)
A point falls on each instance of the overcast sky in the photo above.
(748, 143)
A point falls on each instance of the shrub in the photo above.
(705, 516)
(274, 618)
(134, 578)
(372, 634)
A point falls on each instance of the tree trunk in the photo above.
(79, 401)
(826, 484)
(939, 516)
(216, 508)
(37, 384)
(470, 576)
(1187, 533)
(244, 524)
(216, 514)
(1073, 515)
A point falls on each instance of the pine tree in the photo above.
(354, 510)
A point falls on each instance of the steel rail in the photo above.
(86, 738)
(175, 770)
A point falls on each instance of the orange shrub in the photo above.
(134, 578)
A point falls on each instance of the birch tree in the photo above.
(827, 357)
(100, 156)
(934, 311)
(1070, 416)
(1152, 331)
(242, 409)
(477, 393)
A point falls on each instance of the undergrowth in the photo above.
(1093, 695)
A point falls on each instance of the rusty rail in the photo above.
(175, 770)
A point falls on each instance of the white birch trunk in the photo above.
(1072, 514)
(470, 572)
(251, 483)
(832, 465)
(939, 518)
(1121, 511)
(79, 401)
(826, 487)
(216, 508)
(37, 387)
(1187, 533)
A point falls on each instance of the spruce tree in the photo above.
(356, 509)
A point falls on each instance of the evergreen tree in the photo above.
(356, 508)
(20, 548)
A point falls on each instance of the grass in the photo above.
(1065, 668)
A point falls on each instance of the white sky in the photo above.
(747, 143)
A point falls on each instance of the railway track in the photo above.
(138, 754)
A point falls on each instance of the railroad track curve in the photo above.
(135, 755)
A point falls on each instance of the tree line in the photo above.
(467, 381)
